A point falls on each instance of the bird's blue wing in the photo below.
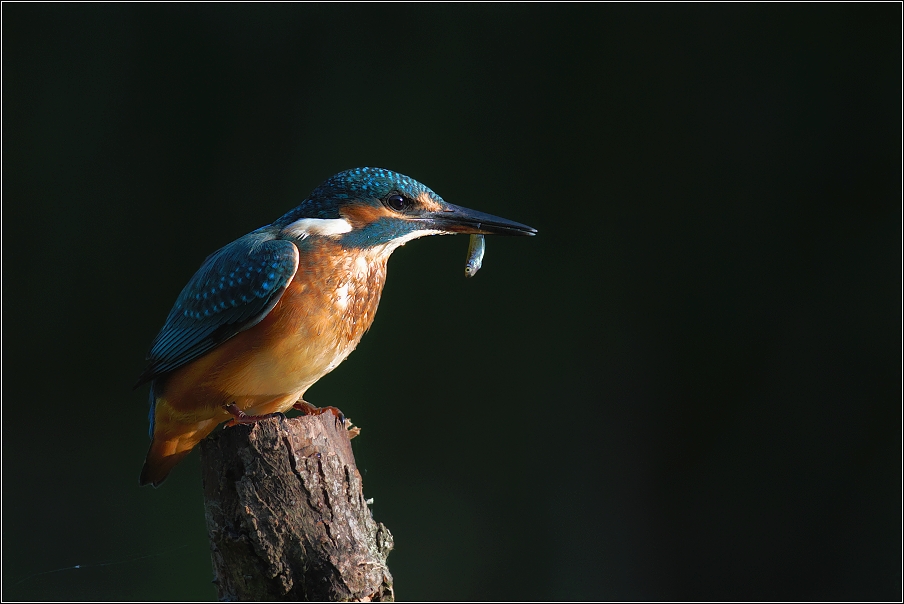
(233, 290)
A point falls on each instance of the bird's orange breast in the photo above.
(320, 318)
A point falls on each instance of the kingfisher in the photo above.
(271, 313)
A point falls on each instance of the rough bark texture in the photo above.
(286, 516)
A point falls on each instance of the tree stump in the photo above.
(286, 515)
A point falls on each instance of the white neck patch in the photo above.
(390, 246)
(317, 226)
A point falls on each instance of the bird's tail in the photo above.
(169, 447)
(162, 457)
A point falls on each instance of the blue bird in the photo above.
(271, 313)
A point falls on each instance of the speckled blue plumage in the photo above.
(233, 290)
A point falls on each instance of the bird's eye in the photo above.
(398, 202)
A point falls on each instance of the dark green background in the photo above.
(687, 386)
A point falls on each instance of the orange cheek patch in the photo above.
(427, 202)
(360, 215)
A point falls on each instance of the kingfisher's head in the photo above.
(375, 208)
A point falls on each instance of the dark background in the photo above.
(688, 386)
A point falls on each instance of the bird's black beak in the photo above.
(455, 219)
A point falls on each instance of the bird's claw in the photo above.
(309, 409)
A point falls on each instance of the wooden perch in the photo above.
(286, 515)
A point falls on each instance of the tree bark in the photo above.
(286, 515)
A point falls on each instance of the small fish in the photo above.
(477, 247)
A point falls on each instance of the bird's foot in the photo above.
(309, 409)
(240, 417)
